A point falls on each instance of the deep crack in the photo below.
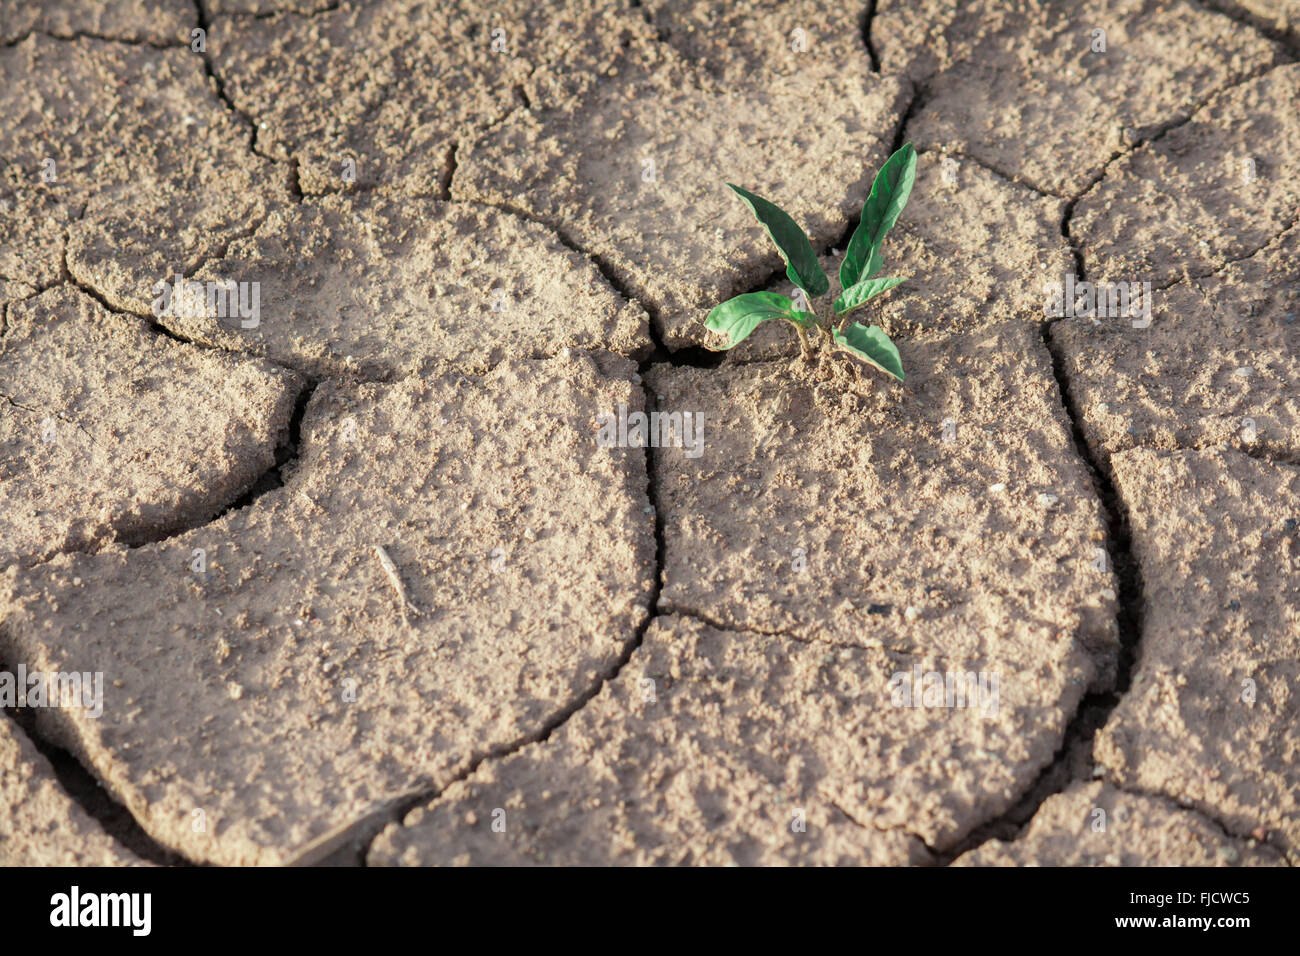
(451, 172)
(286, 456)
(83, 789)
(868, 22)
(1072, 761)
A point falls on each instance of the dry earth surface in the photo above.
(364, 580)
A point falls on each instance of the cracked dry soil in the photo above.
(364, 588)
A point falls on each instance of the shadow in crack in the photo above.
(84, 790)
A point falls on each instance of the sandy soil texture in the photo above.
(365, 459)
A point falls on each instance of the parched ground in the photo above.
(366, 586)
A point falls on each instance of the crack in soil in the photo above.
(868, 22)
(154, 325)
(352, 844)
(1013, 178)
(83, 789)
(286, 456)
(705, 618)
(85, 287)
(61, 416)
(694, 356)
(1188, 276)
(915, 103)
(1224, 830)
(1067, 214)
(87, 35)
(219, 87)
(1288, 457)
(1160, 132)
(271, 14)
(669, 608)
(1072, 761)
(930, 851)
(295, 179)
(451, 171)
(1254, 23)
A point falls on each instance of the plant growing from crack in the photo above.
(737, 318)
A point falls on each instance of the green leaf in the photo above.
(859, 294)
(873, 345)
(800, 260)
(879, 213)
(737, 317)
(806, 319)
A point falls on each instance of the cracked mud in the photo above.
(365, 583)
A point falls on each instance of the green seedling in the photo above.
(737, 318)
